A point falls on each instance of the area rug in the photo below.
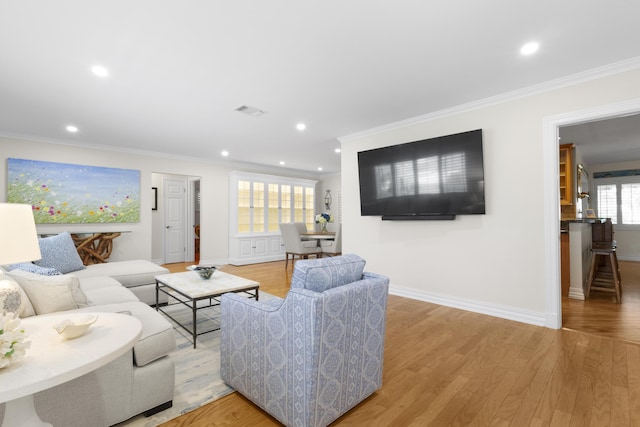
(198, 379)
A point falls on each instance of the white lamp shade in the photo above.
(18, 236)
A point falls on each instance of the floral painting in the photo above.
(62, 193)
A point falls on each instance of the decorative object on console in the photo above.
(327, 200)
(12, 339)
(322, 219)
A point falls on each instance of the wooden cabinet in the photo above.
(567, 182)
(566, 175)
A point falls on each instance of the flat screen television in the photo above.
(436, 178)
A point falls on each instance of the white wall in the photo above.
(333, 183)
(137, 243)
(493, 263)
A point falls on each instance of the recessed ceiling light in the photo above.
(529, 48)
(99, 71)
(72, 128)
(301, 126)
(320, 168)
(337, 150)
(224, 153)
(281, 163)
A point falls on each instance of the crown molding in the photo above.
(551, 85)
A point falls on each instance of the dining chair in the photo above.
(333, 247)
(295, 246)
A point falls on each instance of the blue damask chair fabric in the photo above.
(310, 357)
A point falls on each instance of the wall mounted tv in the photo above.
(435, 178)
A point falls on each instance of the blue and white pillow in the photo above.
(32, 268)
(59, 252)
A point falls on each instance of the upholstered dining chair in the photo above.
(308, 358)
(332, 247)
(295, 246)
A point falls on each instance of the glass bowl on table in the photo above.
(205, 271)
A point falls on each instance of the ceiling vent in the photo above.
(252, 111)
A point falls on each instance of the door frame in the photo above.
(551, 205)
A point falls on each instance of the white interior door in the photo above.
(175, 220)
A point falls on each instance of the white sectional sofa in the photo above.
(135, 275)
(141, 381)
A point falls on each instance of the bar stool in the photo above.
(601, 279)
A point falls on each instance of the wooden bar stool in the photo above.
(604, 278)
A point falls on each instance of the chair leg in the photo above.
(592, 272)
(616, 276)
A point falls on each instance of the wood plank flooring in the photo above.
(602, 316)
(448, 367)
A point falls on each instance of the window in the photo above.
(619, 199)
(262, 202)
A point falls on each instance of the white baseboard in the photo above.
(576, 293)
(503, 312)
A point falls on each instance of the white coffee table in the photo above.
(189, 288)
(52, 360)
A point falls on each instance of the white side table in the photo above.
(52, 360)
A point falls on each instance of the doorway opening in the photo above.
(175, 220)
(551, 126)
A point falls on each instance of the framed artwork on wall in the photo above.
(62, 193)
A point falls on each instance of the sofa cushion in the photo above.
(129, 273)
(105, 290)
(49, 294)
(59, 252)
(325, 273)
(158, 338)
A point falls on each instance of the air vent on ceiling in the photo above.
(252, 111)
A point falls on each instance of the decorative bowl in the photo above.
(71, 329)
(204, 271)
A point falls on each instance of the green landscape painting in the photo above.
(61, 193)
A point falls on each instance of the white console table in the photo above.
(52, 360)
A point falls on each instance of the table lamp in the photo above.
(18, 236)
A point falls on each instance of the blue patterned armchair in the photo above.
(310, 357)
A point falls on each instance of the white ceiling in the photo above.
(179, 68)
(605, 141)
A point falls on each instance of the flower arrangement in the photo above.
(12, 339)
(322, 219)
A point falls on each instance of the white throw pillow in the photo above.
(10, 297)
(26, 308)
(50, 294)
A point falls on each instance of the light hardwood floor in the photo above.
(602, 316)
(448, 367)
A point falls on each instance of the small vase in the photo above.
(324, 228)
